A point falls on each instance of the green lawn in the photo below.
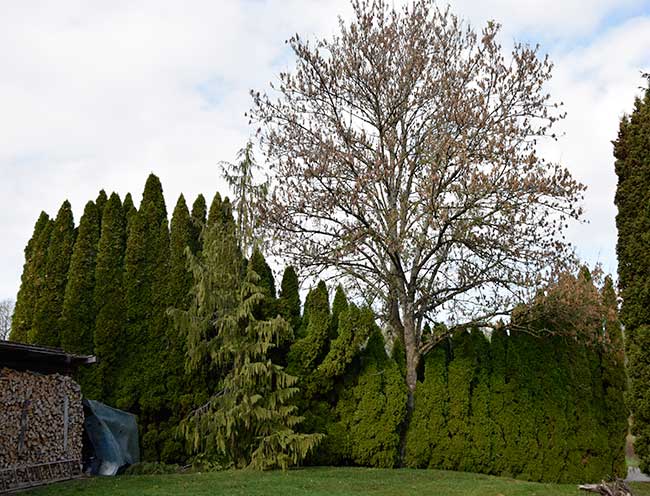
(314, 482)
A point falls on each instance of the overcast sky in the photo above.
(99, 94)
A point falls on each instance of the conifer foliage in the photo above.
(77, 322)
(538, 408)
(109, 297)
(31, 279)
(216, 368)
(46, 328)
(632, 152)
(250, 421)
(78, 316)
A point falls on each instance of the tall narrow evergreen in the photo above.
(77, 321)
(181, 237)
(198, 218)
(216, 212)
(268, 306)
(289, 301)
(427, 438)
(49, 305)
(339, 305)
(308, 351)
(632, 153)
(21, 321)
(100, 203)
(78, 316)
(372, 409)
(154, 412)
(166, 445)
(482, 428)
(142, 273)
(109, 298)
(128, 210)
(461, 374)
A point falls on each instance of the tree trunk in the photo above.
(411, 348)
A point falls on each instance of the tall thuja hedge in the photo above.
(129, 209)
(145, 272)
(306, 353)
(108, 295)
(198, 219)
(100, 204)
(632, 153)
(289, 299)
(268, 307)
(147, 300)
(536, 408)
(78, 316)
(427, 441)
(77, 321)
(371, 409)
(313, 337)
(31, 279)
(176, 402)
(49, 303)
(614, 377)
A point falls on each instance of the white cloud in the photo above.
(97, 95)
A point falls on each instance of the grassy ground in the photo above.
(314, 482)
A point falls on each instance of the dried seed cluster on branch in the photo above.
(404, 152)
(33, 419)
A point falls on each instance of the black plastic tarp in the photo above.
(113, 438)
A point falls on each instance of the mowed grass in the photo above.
(314, 482)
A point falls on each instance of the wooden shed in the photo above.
(41, 415)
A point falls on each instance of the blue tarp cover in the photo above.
(113, 435)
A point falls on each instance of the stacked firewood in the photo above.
(41, 419)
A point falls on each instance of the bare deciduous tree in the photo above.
(403, 155)
(6, 312)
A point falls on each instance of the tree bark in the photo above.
(412, 352)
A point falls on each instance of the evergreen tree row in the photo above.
(104, 288)
(543, 409)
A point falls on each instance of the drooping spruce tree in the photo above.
(78, 315)
(49, 304)
(249, 422)
(632, 153)
(35, 252)
(109, 338)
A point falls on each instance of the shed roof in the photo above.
(43, 359)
